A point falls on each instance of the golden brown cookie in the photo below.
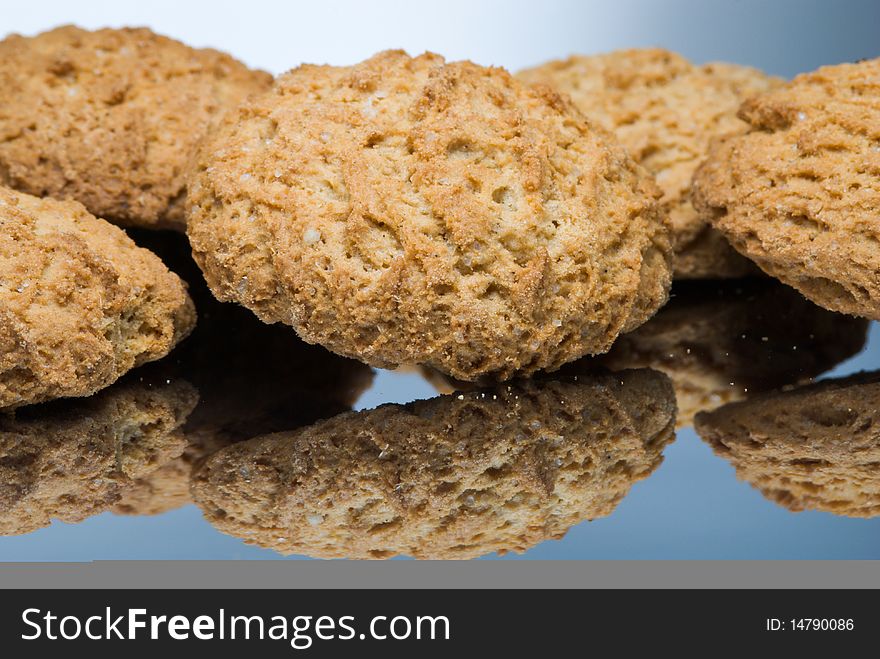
(111, 118)
(458, 476)
(406, 210)
(80, 303)
(69, 460)
(812, 448)
(665, 111)
(798, 193)
(725, 341)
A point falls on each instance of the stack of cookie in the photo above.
(411, 211)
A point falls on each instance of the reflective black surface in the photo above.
(261, 424)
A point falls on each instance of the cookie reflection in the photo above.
(815, 447)
(69, 460)
(721, 342)
(456, 476)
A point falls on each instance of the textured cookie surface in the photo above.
(69, 460)
(406, 210)
(111, 118)
(80, 303)
(725, 341)
(451, 477)
(812, 448)
(800, 193)
(665, 111)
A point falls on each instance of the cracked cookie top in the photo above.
(111, 118)
(799, 193)
(665, 111)
(409, 210)
(80, 303)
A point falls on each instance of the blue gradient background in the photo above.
(692, 507)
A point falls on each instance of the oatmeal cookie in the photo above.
(665, 110)
(409, 210)
(798, 194)
(111, 118)
(72, 459)
(80, 303)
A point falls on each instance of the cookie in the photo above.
(453, 477)
(812, 448)
(725, 341)
(665, 110)
(407, 210)
(798, 193)
(111, 118)
(80, 303)
(72, 459)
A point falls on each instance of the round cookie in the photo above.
(665, 111)
(111, 118)
(427, 480)
(80, 303)
(72, 459)
(812, 448)
(798, 194)
(406, 210)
